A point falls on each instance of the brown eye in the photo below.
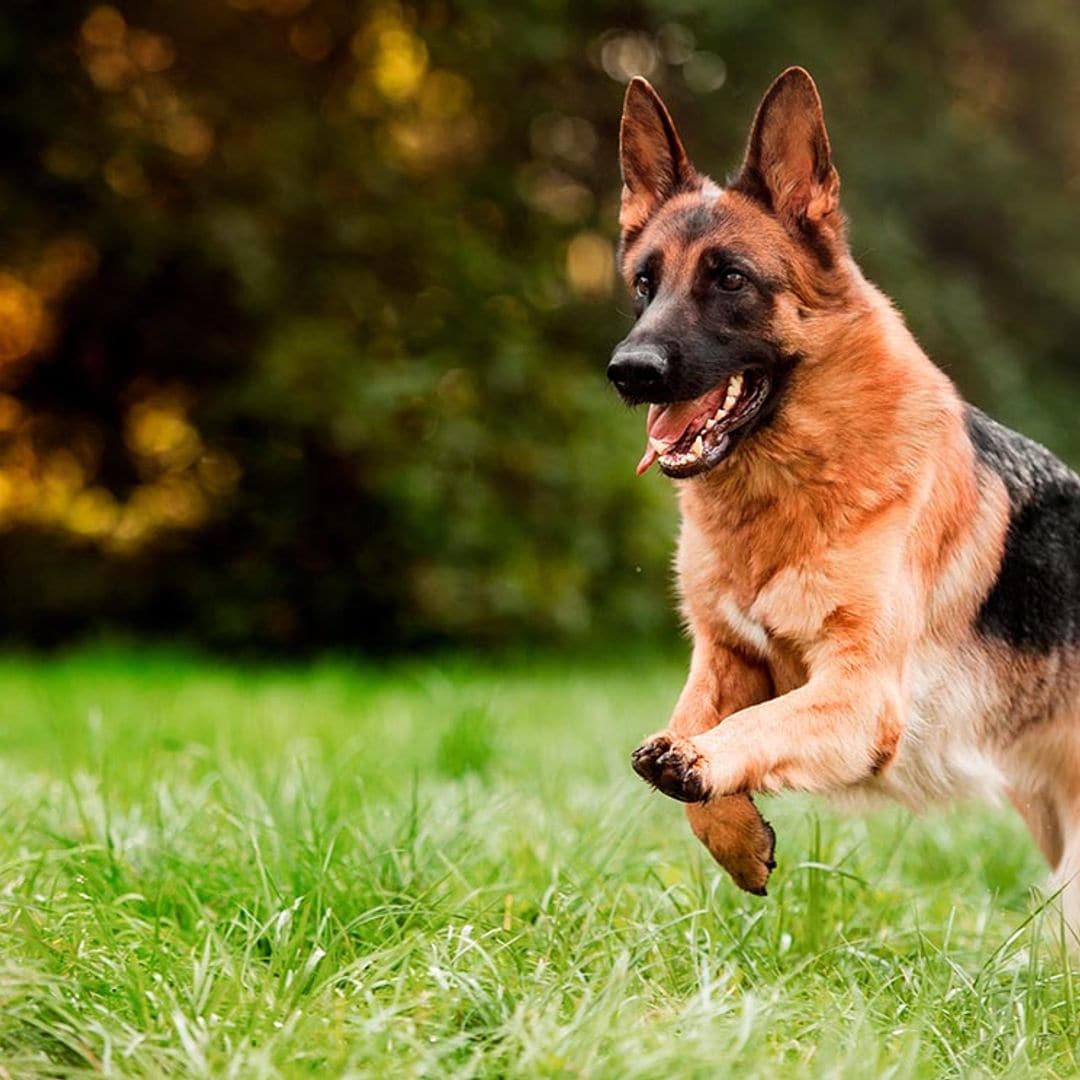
(642, 287)
(732, 280)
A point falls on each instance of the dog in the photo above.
(882, 583)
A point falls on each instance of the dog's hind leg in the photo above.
(1049, 803)
(1064, 836)
(1043, 818)
(1065, 880)
(1040, 814)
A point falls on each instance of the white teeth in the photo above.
(734, 389)
(678, 459)
(697, 448)
(710, 423)
(657, 445)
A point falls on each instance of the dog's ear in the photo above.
(788, 167)
(654, 163)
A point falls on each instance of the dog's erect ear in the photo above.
(788, 167)
(654, 163)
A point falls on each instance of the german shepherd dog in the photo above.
(882, 583)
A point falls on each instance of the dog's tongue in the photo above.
(665, 426)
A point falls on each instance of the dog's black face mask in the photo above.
(700, 353)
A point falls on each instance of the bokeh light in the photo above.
(22, 319)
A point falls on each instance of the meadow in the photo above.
(447, 869)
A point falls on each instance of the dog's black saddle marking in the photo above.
(1035, 602)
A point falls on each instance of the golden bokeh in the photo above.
(93, 513)
(181, 477)
(22, 319)
(152, 52)
(159, 434)
(131, 65)
(590, 264)
(104, 27)
(399, 67)
(427, 116)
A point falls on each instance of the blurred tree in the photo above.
(304, 306)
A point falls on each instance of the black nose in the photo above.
(638, 371)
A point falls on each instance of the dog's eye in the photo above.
(642, 287)
(732, 280)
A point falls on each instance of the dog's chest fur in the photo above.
(947, 750)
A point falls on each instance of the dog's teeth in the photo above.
(710, 423)
(729, 401)
(658, 446)
(735, 385)
(697, 448)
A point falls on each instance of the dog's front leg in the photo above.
(731, 828)
(839, 728)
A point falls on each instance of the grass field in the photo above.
(448, 869)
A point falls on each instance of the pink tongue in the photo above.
(667, 423)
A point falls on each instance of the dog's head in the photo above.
(726, 282)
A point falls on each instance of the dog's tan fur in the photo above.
(832, 569)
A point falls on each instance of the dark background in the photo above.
(305, 304)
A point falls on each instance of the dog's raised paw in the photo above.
(672, 766)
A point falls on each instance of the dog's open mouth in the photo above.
(691, 437)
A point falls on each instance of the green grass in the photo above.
(448, 869)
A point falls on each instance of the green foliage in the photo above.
(212, 871)
(360, 251)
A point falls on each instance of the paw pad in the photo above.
(672, 766)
